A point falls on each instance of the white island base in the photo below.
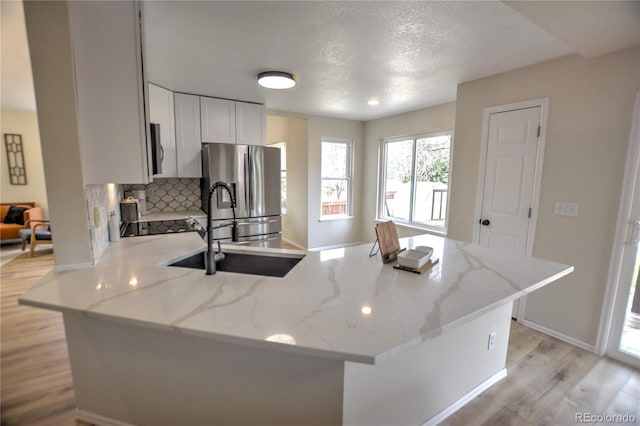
(144, 375)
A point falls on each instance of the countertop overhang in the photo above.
(339, 304)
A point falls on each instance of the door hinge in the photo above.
(538, 131)
(529, 212)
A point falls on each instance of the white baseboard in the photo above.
(466, 398)
(293, 243)
(97, 419)
(560, 336)
(72, 266)
(356, 243)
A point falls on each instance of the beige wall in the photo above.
(277, 129)
(53, 74)
(293, 131)
(296, 219)
(25, 124)
(303, 171)
(590, 108)
(339, 231)
(434, 119)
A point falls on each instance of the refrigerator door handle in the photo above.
(247, 181)
(258, 223)
(251, 205)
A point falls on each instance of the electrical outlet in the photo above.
(566, 209)
(492, 341)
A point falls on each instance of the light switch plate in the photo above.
(566, 209)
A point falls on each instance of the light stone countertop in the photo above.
(319, 304)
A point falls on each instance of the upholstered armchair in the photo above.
(35, 231)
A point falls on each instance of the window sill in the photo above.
(332, 218)
(433, 231)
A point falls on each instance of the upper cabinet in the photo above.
(218, 118)
(107, 54)
(226, 121)
(161, 111)
(251, 124)
(178, 115)
(188, 139)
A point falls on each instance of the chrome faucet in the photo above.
(212, 257)
(194, 225)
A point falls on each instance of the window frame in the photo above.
(382, 173)
(348, 177)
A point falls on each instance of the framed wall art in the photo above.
(15, 159)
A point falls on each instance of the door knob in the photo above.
(485, 222)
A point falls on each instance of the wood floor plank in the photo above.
(521, 344)
(36, 385)
(553, 348)
(547, 392)
(600, 386)
(627, 401)
(564, 414)
(506, 417)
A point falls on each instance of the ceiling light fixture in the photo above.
(373, 102)
(276, 80)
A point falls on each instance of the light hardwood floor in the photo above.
(548, 381)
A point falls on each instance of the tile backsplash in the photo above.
(170, 195)
(101, 201)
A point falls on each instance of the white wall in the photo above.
(53, 74)
(590, 108)
(339, 231)
(434, 119)
(293, 131)
(25, 124)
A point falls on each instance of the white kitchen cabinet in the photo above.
(188, 136)
(107, 55)
(161, 111)
(218, 120)
(226, 121)
(251, 124)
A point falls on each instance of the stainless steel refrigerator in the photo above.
(254, 175)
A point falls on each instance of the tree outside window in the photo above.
(415, 180)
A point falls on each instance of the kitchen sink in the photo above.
(244, 263)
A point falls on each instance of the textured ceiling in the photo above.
(408, 55)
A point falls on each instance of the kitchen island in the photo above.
(341, 339)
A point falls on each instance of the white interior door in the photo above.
(508, 192)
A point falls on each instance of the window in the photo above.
(283, 174)
(336, 178)
(415, 179)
